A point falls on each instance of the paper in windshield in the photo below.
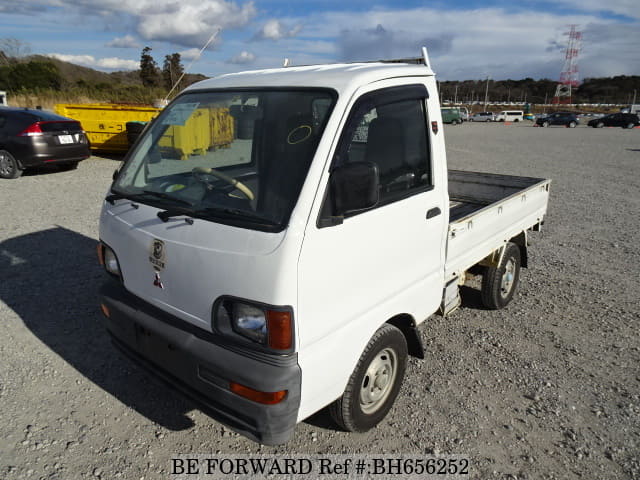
(180, 113)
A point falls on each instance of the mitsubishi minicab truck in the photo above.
(288, 269)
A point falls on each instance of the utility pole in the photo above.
(634, 97)
(455, 95)
(486, 94)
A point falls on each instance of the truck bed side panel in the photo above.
(488, 210)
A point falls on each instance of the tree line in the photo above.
(23, 75)
(620, 89)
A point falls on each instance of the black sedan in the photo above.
(624, 120)
(30, 138)
(568, 119)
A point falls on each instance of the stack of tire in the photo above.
(244, 119)
(134, 129)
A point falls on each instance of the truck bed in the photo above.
(486, 210)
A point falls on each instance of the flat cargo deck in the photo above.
(487, 210)
(470, 192)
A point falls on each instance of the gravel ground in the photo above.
(548, 388)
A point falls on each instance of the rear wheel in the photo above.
(545, 124)
(572, 125)
(375, 382)
(630, 125)
(599, 125)
(9, 166)
(499, 283)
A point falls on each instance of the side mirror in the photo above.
(354, 187)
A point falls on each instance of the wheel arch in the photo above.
(521, 241)
(407, 325)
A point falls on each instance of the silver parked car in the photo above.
(483, 117)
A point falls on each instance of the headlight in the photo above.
(250, 322)
(108, 258)
(270, 327)
(111, 262)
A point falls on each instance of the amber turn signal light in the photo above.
(100, 251)
(280, 331)
(105, 310)
(266, 398)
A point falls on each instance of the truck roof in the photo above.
(340, 77)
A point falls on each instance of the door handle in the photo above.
(434, 212)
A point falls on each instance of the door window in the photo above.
(394, 137)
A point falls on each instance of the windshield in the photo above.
(234, 157)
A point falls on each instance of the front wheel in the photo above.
(545, 124)
(599, 125)
(9, 166)
(630, 125)
(499, 283)
(375, 382)
(572, 125)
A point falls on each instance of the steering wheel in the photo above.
(246, 191)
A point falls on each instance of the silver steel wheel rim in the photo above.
(5, 164)
(508, 277)
(378, 380)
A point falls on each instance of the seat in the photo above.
(386, 147)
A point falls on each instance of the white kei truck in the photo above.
(288, 270)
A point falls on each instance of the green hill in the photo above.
(45, 81)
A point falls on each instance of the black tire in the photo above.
(366, 401)
(500, 283)
(572, 125)
(9, 166)
(545, 124)
(68, 166)
(630, 125)
(134, 129)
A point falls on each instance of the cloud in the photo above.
(190, 54)
(20, 7)
(189, 23)
(380, 43)
(123, 42)
(475, 43)
(275, 30)
(243, 58)
(110, 63)
(523, 40)
(626, 8)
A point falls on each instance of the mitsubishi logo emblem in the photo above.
(157, 282)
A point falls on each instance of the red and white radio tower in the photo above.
(569, 74)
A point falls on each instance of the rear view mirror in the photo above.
(354, 187)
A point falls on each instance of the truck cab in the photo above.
(287, 270)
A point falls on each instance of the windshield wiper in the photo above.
(145, 193)
(222, 212)
(235, 213)
(175, 212)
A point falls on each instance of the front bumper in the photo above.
(201, 365)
